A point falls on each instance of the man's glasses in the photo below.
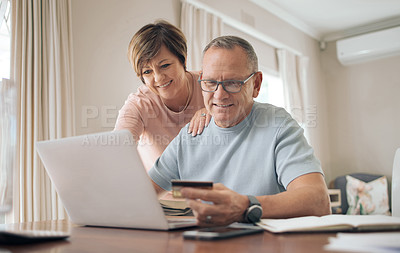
(231, 86)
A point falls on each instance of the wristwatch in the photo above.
(254, 211)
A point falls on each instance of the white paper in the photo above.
(365, 242)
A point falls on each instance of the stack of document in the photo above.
(365, 242)
(175, 208)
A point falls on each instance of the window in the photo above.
(5, 33)
(271, 91)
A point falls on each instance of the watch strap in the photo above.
(253, 201)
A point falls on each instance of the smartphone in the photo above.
(178, 184)
(217, 233)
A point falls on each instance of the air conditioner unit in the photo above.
(368, 47)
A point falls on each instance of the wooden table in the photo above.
(115, 240)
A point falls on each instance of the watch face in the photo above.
(254, 213)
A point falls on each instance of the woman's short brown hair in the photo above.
(146, 43)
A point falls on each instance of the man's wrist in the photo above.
(244, 208)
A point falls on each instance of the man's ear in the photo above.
(257, 83)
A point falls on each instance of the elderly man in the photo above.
(255, 153)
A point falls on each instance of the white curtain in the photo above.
(41, 67)
(293, 72)
(199, 27)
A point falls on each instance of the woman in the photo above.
(170, 96)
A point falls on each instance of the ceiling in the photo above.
(328, 20)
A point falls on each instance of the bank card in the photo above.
(178, 184)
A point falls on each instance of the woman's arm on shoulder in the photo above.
(201, 118)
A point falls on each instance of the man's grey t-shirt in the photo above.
(259, 156)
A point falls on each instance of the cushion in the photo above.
(341, 182)
(367, 198)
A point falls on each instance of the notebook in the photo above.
(101, 181)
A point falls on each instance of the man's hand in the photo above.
(227, 206)
(200, 120)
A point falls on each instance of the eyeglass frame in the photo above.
(222, 83)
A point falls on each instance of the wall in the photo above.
(103, 76)
(363, 108)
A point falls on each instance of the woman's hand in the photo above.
(200, 120)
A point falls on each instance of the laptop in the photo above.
(101, 181)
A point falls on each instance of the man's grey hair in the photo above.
(229, 42)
